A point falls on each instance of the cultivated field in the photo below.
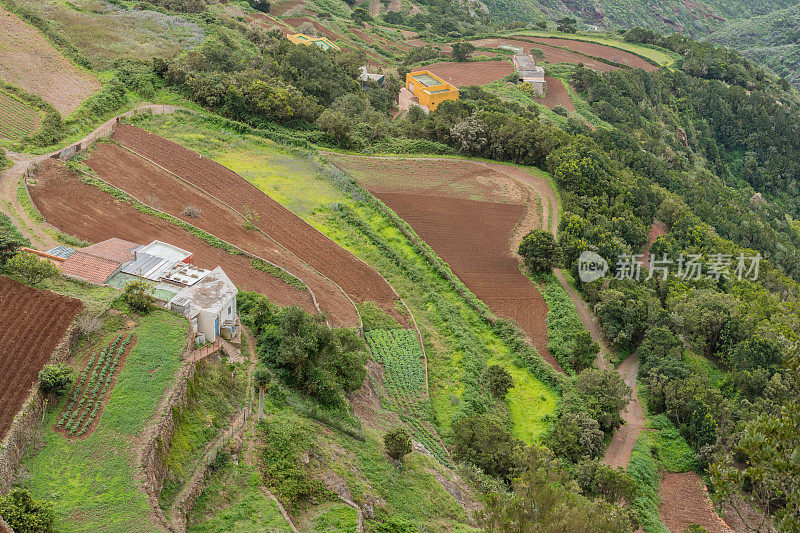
(600, 50)
(551, 54)
(34, 322)
(358, 280)
(479, 73)
(17, 119)
(472, 235)
(29, 61)
(556, 94)
(685, 502)
(87, 212)
(134, 174)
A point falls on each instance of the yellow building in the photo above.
(430, 89)
(322, 42)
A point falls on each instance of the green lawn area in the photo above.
(233, 502)
(90, 482)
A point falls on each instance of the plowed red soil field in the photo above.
(551, 54)
(556, 94)
(158, 188)
(297, 22)
(478, 73)
(467, 213)
(87, 212)
(34, 322)
(684, 502)
(356, 278)
(30, 62)
(600, 50)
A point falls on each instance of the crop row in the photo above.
(95, 381)
(17, 119)
(399, 352)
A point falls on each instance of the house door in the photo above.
(216, 326)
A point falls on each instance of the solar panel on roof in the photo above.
(61, 251)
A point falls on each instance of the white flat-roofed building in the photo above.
(210, 306)
(530, 72)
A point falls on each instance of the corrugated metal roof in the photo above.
(148, 266)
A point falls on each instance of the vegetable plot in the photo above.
(401, 356)
(88, 396)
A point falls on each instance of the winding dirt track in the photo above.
(358, 280)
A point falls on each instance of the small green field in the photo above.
(17, 119)
(90, 481)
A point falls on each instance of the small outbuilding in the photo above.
(210, 306)
(529, 72)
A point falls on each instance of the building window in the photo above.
(229, 310)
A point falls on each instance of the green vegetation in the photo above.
(112, 499)
(643, 468)
(213, 398)
(24, 514)
(233, 501)
(564, 328)
(397, 443)
(55, 378)
(31, 268)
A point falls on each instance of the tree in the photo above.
(597, 479)
(755, 353)
(138, 295)
(499, 381)
(31, 268)
(576, 436)
(260, 5)
(483, 441)
(603, 394)
(9, 245)
(567, 25)
(539, 251)
(262, 378)
(398, 443)
(584, 351)
(462, 50)
(24, 514)
(55, 379)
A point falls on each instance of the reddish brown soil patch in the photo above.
(134, 174)
(375, 8)
(446, 49)
(472, 237)
(556, 94)
(355, 277)
(552, 54)
(270, 22)
(322, 30)
(87, 212)
(685, 501)
(658, 229)
(600, 50)
(283, 8)
(479, 73)
(34, 322)
(408, 34)
(89, 429)
(30, 62)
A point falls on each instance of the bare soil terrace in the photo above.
(356, 278)
(552, 54)
(34, 323)
(599, 50)
(161, 190)
(469, 219)
(684, 501)
(87, 212)
(556, 94)
(29, 61)
(477, 73)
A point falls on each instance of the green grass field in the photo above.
(90, 482)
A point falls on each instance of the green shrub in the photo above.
(30, 268)
(55, 379)
(139, 295)
(398, 443)
(24, 514)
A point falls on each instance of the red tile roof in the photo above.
(89, 267)
(118, 250)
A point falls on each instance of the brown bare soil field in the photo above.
(34, 322)
(270, 22)
(88, 213)
(684, 501)
(408, 34)
(468, 214)
(296, 22)
(375, 8)
(356, 278)
(30, 62)
(551, 54)
(478, 73)
(556, 94)
(394, 5)
(657, 230)
(284, 7)
(600, 50)
(444, 48)
(134, 174)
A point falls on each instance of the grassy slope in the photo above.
(90, 482)
(444, 321)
